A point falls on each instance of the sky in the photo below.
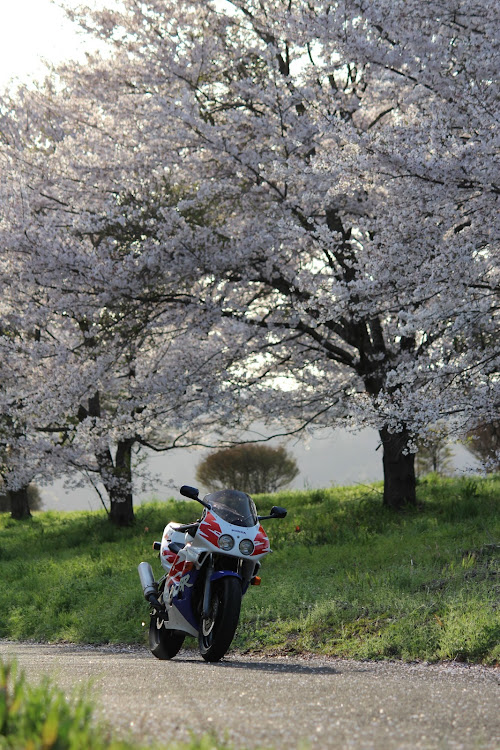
(31, 30)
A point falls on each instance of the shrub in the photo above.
(434, 453)
(249, 468)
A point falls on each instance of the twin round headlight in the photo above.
(246, 547)
(226, 544)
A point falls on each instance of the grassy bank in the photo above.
(346, 578)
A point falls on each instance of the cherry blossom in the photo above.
(305, 194)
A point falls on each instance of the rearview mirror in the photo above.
(278, 512)
(190, 492)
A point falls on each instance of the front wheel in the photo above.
(163, 643)
(218, 629)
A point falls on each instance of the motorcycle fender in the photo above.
(223, 574)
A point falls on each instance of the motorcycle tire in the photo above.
(217, 631)
(163, 643)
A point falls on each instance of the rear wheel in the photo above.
(218, 629)
(164, 644)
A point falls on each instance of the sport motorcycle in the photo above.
(208, 565)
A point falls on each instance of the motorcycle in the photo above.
(208, 566)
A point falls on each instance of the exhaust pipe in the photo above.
(148, 583)
(150, 588)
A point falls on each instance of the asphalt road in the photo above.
(280, 702)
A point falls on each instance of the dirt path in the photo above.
(263, 701)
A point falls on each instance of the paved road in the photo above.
(283, 702)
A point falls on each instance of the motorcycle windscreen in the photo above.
(233, 506)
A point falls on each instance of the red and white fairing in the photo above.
(170, 534)
(211, 528)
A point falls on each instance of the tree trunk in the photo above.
(19, 504)
(122, 508)
(399, 470)
(120, 489)
(116, 476)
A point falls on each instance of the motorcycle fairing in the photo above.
(261, 542)
(179, 604)
(207, 540)
(170, 534)
(210, 529)
(177, 621)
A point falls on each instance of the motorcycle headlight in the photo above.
(246, 547)
(226, 542)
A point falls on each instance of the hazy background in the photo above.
(332, 457)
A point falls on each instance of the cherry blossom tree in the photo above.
(349, 148)
(118, 361)
(321, 177)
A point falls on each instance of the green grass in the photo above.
(347, 577)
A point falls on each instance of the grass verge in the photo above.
(347, 577)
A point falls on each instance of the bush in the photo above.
(249, 468)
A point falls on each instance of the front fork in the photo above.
(207, 590)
